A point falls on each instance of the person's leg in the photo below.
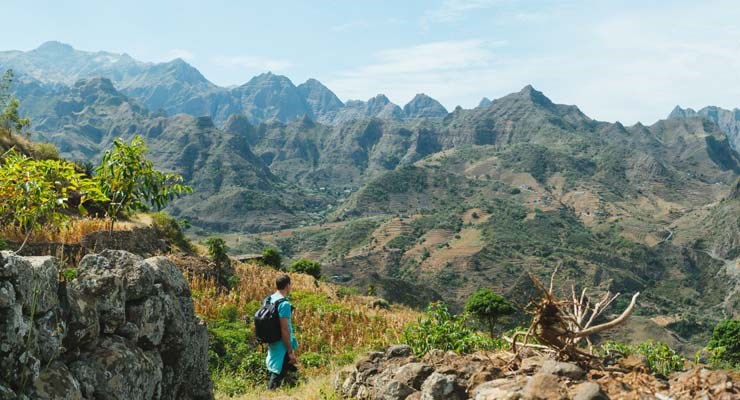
(277, 379)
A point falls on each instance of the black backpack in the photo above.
(267, 321)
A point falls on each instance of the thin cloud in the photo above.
(455, 10)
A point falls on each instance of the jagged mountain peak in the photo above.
(322, 103)
(423, 106)
(54, 46)
(484, 102)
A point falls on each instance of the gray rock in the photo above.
(589, 391)
(138, 275)
(569, 370)
(441, 387)
(166, 273)
(96, 277)
(49, 333)
(147, 317)
(413, 374)
(7, 269)
(393, 390)
(44, 285)
(21, 278)
(83, 323)
(542, 387)
(56, 383)
(7, 294)
(121, 371)
(398, 350)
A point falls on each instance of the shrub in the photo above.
(488, 306)
(724, 346)
(661, 358)
(308, 267)
(439, 329)
(169, 228)
(272, 258)
(36, 192)
(515, 191)
(131, 183)
(313, 360)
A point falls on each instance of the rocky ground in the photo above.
(123, 328)
(396, 375)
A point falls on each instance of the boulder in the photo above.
(56, 383)
(441, 387)
(119, 370)
(97, 278)
(413, 374)
(393, 390)
(399, 350)
(589, 391)
(559, 368)
(44, 284)
(543, 386)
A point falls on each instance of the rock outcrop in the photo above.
(124, 328)
(397, 375)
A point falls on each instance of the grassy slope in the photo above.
(332, 324)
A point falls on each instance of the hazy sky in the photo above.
(616, 60)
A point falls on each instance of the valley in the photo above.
(415, 203)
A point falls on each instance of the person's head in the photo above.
(282, 284)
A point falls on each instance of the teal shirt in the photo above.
(276, 351)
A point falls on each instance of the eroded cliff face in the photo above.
(124, 328)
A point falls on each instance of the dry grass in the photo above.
(324, 320)
(71, 231)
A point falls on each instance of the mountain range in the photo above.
(415, 202)
(176, 87)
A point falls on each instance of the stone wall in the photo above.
(123, 329)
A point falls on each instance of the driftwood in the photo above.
(560, 325)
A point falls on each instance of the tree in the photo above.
(725, 342)
(10, 119)
(217, 251)
(271, 257)
(132, 184)
(488, 306)
(308, 267)
(34, 193)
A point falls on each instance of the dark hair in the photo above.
(282, 282)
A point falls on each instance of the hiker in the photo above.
(281, 353)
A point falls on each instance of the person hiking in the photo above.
(281, 354)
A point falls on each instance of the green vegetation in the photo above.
(131, 183)
(661, 358)
(271, 257)
(217, 251)
(308, 267)
(36, 192)
(439, 329)
(171, 230)
(488, 306)
(724, 345)
(10, 120)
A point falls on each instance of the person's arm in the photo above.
(286, 339)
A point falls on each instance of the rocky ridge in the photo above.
(124, 328)
(396, 375)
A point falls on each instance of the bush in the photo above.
(724, 346)
(661, 358)
(170, 229)
(272, 258)
(308, 267)
(488, 306)
(439, 329)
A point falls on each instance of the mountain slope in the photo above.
(234, 189)
(727, 120)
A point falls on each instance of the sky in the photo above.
(624, 61)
